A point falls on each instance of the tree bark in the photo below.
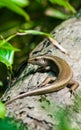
(31, 110)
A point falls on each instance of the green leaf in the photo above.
(7, 54)
(21, 3)
(7, 46)
(1, 5)
(56, 13)
(6, 57)
(2, 110)
(15, 8)
(64, 3)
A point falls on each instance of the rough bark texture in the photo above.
(30, 109)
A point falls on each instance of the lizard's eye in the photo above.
(35, 59)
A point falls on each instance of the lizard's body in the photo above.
(64, 75)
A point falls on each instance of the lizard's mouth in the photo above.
(31, 61)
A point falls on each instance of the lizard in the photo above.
(63, 71)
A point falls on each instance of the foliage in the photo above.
(15, 5)
(7, 52)
(10, 123)
(63, 3)
(2, 110)
(59, 9)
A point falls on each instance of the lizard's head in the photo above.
(39, 60)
